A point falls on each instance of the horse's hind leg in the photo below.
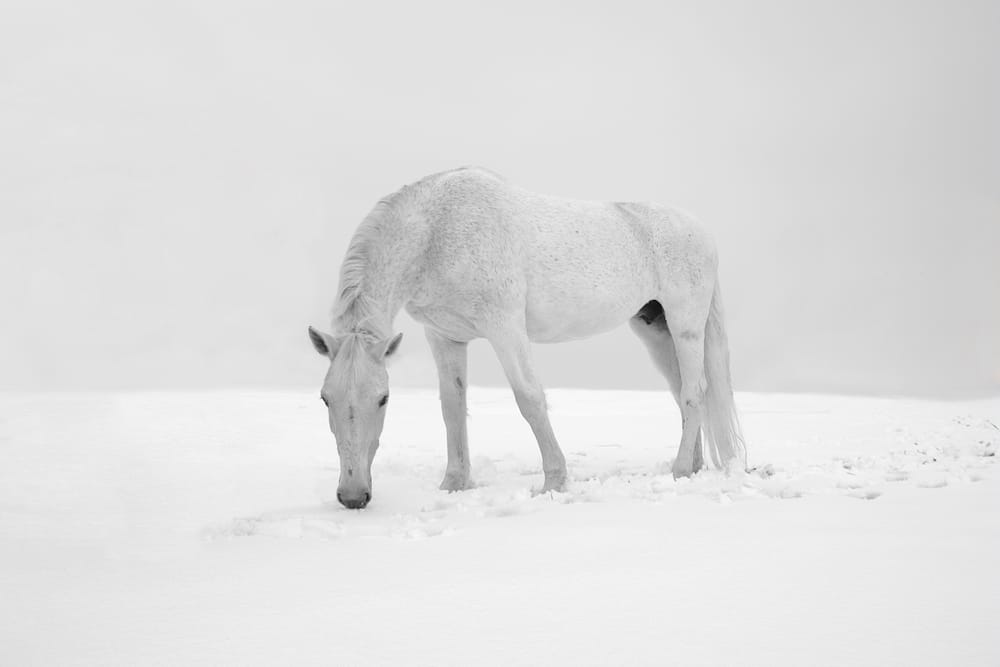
(452, 359)
(686, 318)
(650, 326)
(513, 350)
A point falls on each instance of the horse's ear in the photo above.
(325, 344)
(385, 348)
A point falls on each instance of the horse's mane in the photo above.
(354, 312)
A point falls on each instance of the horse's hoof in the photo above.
(682, 471)
(452, 483)
(556, 482)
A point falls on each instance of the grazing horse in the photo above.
(471, 256)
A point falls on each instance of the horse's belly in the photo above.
(559, 327)
(561, 308)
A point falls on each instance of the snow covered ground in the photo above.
(201, 528)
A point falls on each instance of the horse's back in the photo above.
(573, 267)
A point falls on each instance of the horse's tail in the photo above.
(720, 423)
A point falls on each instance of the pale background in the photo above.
(178, 181)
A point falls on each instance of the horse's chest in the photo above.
(452, 323)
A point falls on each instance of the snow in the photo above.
(201, 528)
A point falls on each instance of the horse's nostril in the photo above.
(356, 502)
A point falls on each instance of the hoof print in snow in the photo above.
(764, 472)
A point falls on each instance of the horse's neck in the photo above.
(383, 269)
(371, 308)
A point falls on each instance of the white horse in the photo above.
(471, 256)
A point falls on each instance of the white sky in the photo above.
(178, 181)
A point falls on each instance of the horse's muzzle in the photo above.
(354, 500)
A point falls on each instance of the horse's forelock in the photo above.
(354, 357)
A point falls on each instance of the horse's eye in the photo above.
(325, 402)
(382, 401)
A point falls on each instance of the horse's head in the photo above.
(355, 391)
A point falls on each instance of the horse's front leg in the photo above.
(452, 360)
(513, 350)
